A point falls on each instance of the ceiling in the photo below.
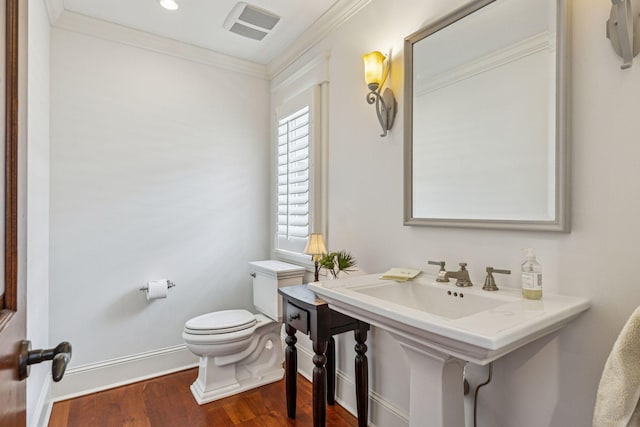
(200, 22)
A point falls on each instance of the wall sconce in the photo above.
(315, 248)
(376, 70)
(622, 30)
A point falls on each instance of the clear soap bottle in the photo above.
(531, 276)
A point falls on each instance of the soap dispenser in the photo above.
(531, 276)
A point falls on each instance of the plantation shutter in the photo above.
(293, 203)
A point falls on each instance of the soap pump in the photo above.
(531, 276)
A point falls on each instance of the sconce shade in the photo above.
(374, 69)
(315, 245)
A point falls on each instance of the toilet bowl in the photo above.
(239, 350)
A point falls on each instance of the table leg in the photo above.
(362, 377)
(319, 384)
(291, 370)
(331, 372)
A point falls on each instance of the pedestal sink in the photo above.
(441, 327)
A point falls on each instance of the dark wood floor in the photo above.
(167, 402)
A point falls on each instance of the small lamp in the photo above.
(315, 248)
(376, 70)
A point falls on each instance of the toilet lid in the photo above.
(221, 322)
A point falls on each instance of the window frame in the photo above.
(312, 97)
(310, 74)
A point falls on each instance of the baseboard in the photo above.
(381, 411)
(43, 408)
(91, 378)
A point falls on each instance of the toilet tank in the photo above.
(268, 276)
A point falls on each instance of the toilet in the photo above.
(240, 350)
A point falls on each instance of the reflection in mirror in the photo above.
(485, 122)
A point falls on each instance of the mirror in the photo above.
(486, 118)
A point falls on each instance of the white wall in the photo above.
(158, 170)
(554, 380)
(139, 175)
(37, 193)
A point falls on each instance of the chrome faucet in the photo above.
(462, 275)
(441, 272)
(490, 282)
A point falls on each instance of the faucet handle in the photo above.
(442, 273)
(463, 266)
(440, 263)
(489, 281)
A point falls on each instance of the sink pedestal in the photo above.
(436, 386)
(440, 327)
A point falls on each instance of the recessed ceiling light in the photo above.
(169, 4)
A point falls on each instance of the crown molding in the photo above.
(338, 14)
(54, 9)
(83, 24)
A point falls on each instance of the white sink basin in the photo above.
(476, 325)
(441, 326)
(437, 300)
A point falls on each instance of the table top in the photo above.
(302, 294)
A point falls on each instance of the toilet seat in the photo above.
(220, 322)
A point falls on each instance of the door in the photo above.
(13, 296)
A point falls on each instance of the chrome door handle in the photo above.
(61, 355)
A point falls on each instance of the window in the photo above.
(297, 173)
(293, 181)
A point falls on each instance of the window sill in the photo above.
(298, 259)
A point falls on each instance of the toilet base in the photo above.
(260, 363)
(201, 396)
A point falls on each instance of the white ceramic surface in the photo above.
(476, 325)
(440, 327)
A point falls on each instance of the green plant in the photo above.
(338, 261)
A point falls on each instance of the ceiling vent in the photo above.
(250, 21)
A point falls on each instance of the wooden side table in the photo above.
(303, 311)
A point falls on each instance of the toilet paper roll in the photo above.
(157, 289)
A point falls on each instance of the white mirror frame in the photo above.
(561, 222)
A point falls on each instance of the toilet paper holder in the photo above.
(170, 285)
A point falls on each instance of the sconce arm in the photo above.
(622, 30)
(386, 108)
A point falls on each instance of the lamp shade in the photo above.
(374, 68)
(315, 245)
